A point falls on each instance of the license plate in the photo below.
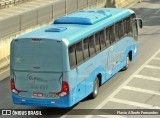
(47, 95)
(38, 94)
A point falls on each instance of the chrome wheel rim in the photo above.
(96, 87)
(127, 64)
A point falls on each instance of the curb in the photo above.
(4, 74)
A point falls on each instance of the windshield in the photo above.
(37, 54)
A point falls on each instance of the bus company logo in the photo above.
(6, 112)
(34, 79)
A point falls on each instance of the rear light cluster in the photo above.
(13, 88)
(64, 91)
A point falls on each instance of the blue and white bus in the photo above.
(63, 63)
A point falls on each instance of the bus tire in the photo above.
(127, 63)
(95, 88)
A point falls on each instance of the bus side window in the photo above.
(111, 34)
(107, 37)
(128, 25)
(97, 41)
(72, 56)
(120, 29)
(102, 39)
(86, 48)
(91, 46)
(79, 53)
(116, 31)
(125, 26)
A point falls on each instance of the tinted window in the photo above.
(127, 26)
(97, 41)
(72, 56)
(116, 31)
(91, 46)
(107, 38)
(102, 39)
(119, 30)
(79, 52)
(111, 34)
(86, 48)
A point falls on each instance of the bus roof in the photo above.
(80, 24)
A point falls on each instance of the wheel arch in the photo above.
(130, 55)
(100, 78)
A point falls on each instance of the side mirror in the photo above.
(140, 23)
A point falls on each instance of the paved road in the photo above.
(138, 87)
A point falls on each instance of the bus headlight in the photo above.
(135, 50)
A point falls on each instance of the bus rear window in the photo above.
(43, 55)
(72, 56)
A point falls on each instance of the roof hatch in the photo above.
(56, 29)
(86, 17)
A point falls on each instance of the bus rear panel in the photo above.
(37, 72)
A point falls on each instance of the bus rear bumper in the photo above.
(60, 103)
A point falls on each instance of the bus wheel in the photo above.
(127, 63)
(95, 88)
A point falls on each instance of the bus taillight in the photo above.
(65, 89)
(13, 88)
(12, 84)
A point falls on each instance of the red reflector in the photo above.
(12, 84)
(36, 39)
